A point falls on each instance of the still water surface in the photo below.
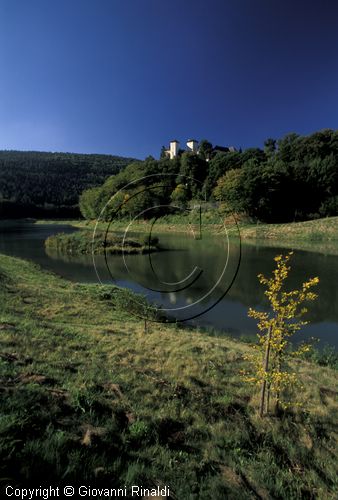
(191, 276)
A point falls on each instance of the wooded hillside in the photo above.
(36, 184)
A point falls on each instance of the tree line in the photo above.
(294, 178)
(39, 184)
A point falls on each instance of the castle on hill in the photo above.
(193, 147)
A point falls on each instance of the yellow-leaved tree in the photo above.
(270, 370)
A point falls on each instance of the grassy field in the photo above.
(89, 397)
(316, 231)
(320, 230)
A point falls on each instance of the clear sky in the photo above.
(126, 76)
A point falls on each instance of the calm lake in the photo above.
(191, 275)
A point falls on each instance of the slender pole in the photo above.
(200, 223)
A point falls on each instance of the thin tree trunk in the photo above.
(279, 365)
(265, 369)
(268, 398)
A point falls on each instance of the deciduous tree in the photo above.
(276, 327)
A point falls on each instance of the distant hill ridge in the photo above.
(37, 183)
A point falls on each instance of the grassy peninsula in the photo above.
(88, 396)
(82, 242)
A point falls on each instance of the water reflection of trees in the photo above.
(209, 255)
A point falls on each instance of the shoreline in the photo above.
(314, 230)
(319, 235)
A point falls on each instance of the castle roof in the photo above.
(221, 148)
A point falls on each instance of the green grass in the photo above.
(314, 231)
(89, 397)
(82, 242)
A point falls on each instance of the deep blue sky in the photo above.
(126, 76)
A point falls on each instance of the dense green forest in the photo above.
(34, 184)
(294, 178)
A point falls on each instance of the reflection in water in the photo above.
(184, 253)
